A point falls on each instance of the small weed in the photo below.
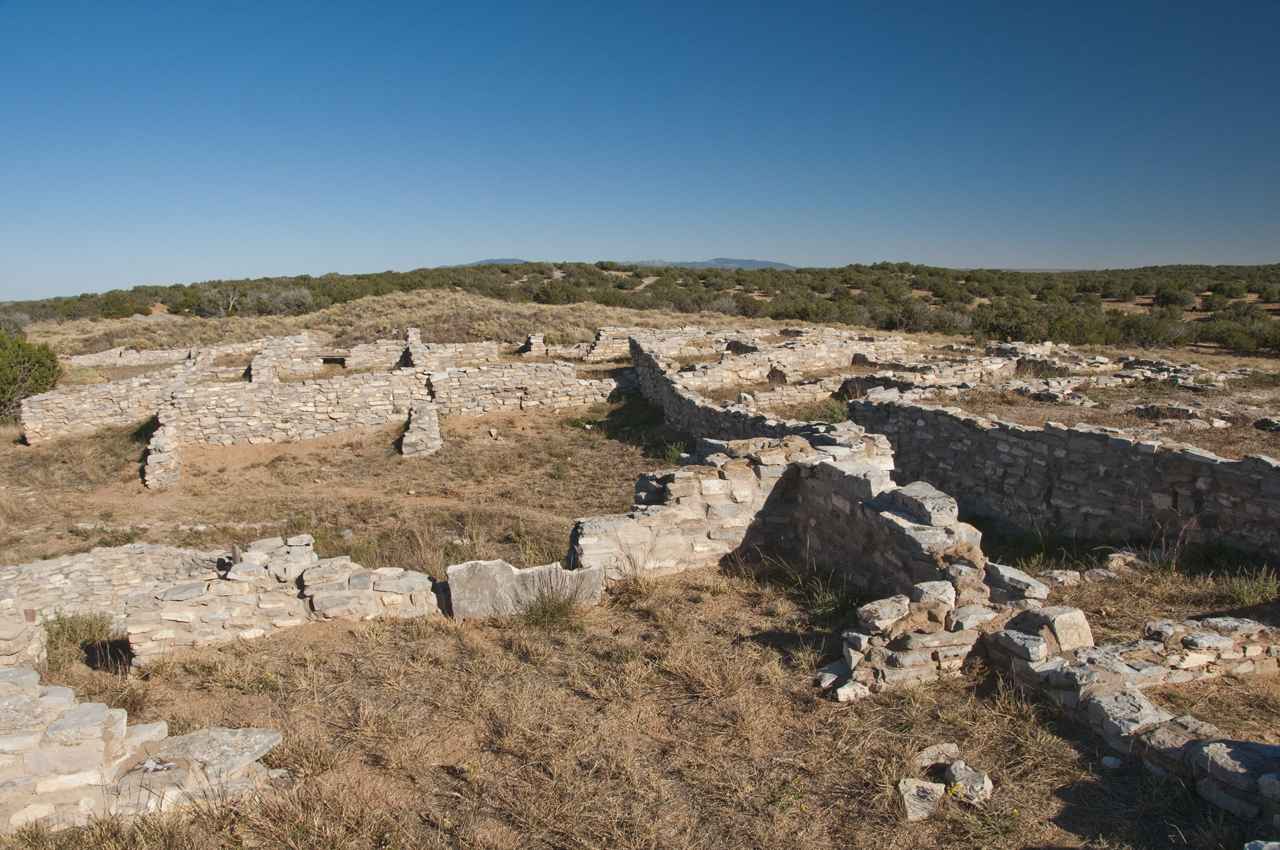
(555, 609)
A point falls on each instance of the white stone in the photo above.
(920, 798)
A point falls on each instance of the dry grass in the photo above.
(76, 376)
(442, 317)
(674, 716)
(513, 497)
(1247, 709)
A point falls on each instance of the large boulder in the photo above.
(494, 588)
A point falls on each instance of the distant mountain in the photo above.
(717, 263)
(507, 262)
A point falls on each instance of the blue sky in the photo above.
(159, 143)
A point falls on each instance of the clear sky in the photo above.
(162, 142)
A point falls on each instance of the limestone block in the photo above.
(328, 571)
(925, 503)
(1235, 764)
(1207, 641)
(1125, 713)
(31, 814)
(943, 754)
(1069, 626)
(920, 798)
(183, 592)
(20, 678)
(1215, 793)
(59, 760)
(935, 591)
(1023, 645)
(969, 617)
(493, 588)
(85, 722)
(405, 582)
(220, 754)
(880, 616)
(852, 690)
(1015, 581)
(968, 785)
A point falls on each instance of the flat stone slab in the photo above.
(925, 503)
(920, 798)
(1015, 580)
(182, 592)
(1126, 713)
(221, 753)
(495, 588)
(878, 617)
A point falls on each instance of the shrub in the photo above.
(25, 370)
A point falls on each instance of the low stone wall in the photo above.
(83, 410)
(227, 414)
(475, 390)
(842, 515)
(128, 357)
(1084, 481)
(611, 343)
(102, 580)
(1050, 652)
(422, 437)
(804, 393)
(687, 411)
(65, 763)
(21, 640)
(276, 585)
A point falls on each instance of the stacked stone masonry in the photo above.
(64, 763)
(476, 390)
(830, 501)
(274, 585)
(1084, 481)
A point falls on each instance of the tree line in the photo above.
(1077, 307)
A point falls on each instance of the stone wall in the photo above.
(841, 514)
(475, 390)
(687, 411)
(272, 412)
(65, 763)
(83, 410)
(611, 343)
(128, 357)
(1050, 652)
(422, 436)
(102, 580)
(276, 585)
(1084, 481)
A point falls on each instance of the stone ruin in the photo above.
(876, 499)
(64, 762)
(280, 396)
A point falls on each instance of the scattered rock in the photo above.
(943, 754)
(920, 798)
(967, 785)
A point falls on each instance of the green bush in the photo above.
(25, 370)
